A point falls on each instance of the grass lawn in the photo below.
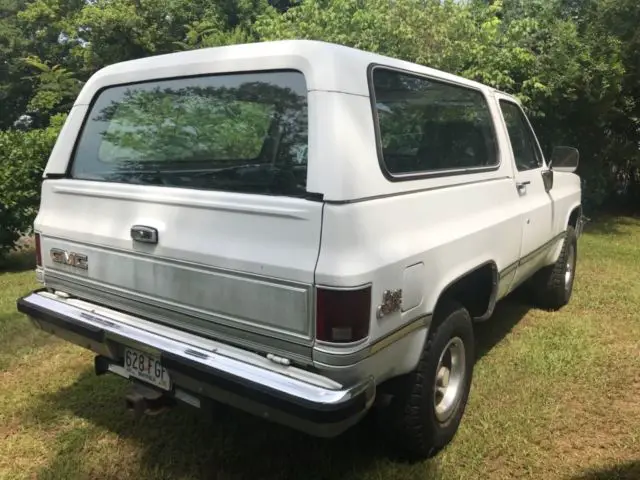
(555, 395)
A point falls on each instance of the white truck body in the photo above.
(235, 276)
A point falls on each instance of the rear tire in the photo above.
(552, 286)
(427, 405)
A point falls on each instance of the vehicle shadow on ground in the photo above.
(508, 313)
(626, 471)
(223, 443)
(217, 443)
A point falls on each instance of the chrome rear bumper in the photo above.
(201, 367)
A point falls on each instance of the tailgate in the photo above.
(227, 266)
(185, 202)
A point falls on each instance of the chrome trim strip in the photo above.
(540, 250)
(342, 357)
(532, 255)
(384, 342)
(141, 307)
(507, 270)
(419, 190)
(280, 379)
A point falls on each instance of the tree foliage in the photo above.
(22, 158)
(575, 64)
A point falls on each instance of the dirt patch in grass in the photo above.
(600, 429)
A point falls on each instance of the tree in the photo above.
(22, 159)
(15, 92)
(568, 73)
(575, 64)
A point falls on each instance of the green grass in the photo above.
(555, 395)
(16, 336)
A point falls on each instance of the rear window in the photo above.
(242, 133)
(426, 126)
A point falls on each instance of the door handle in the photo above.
(522, 186)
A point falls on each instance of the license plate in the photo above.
(147, 368)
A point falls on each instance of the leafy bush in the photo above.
(574, 64)
(569, 74)
(23, 156)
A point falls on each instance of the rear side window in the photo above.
(427, 126)
(242, 133)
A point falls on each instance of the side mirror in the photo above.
(564, 159)
(547, 179)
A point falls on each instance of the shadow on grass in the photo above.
(506, 316)
(219, 443)
(18, 261)
(224, 443)
(606, 224)
(627, 471)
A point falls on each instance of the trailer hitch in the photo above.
(142, 400)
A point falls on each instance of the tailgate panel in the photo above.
(224, 296)
(226, 263)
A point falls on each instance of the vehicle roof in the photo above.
(326, 66)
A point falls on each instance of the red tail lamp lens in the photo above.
(38, 250)
(342, 316)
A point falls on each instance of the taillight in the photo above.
(342, 316)
(38, 250)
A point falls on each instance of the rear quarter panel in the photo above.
(450, 231)
(418, 235)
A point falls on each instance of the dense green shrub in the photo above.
(574, 64)
(23, 156)
(569, 75)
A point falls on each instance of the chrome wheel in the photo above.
(569, 268)
(450, 377)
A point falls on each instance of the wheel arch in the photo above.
(476, 289)
(573, 219)
(574, 216)
(480, 308)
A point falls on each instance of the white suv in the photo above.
(298, 229)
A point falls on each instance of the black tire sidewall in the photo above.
(409, 421)
(572, 244)
(548, 286)
(456, 324)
